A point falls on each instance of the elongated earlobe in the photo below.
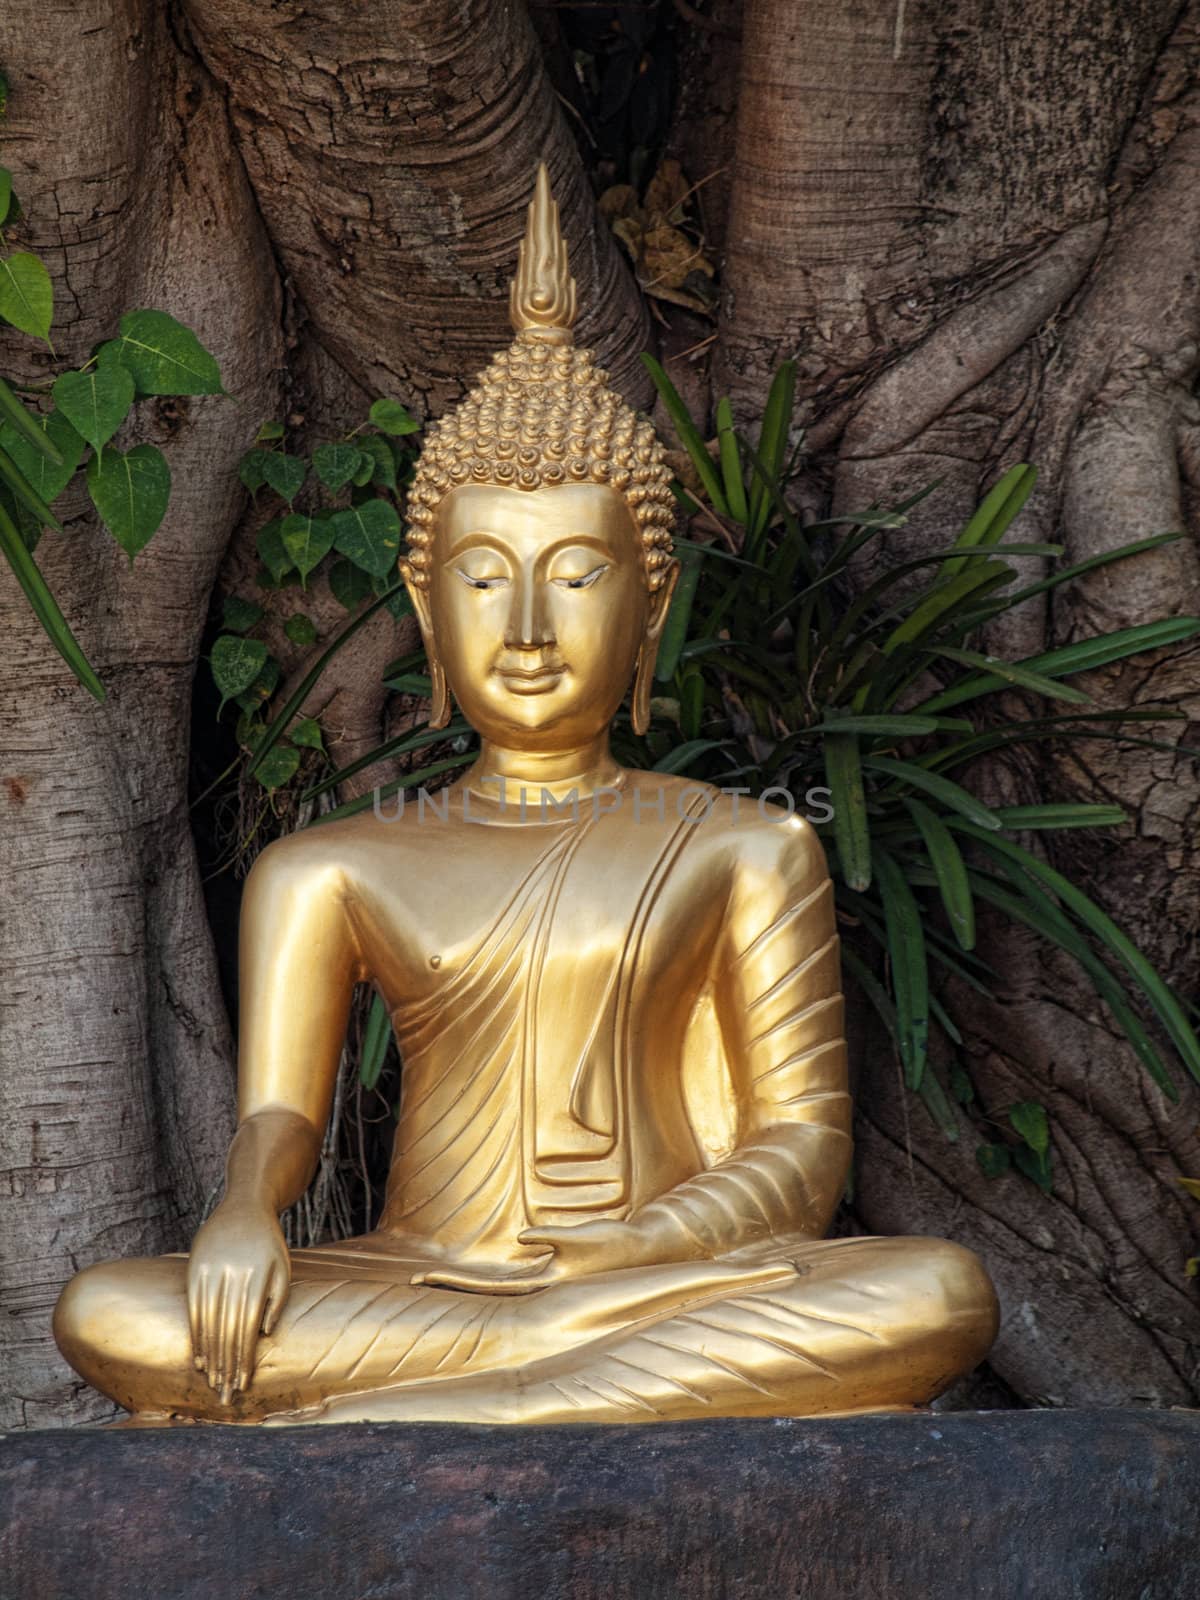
(439, 710)
(643, 677)
(643, 680)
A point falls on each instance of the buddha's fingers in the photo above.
(216, 1331)
(245, 1330)
(280, 1287)
(479, 1282)
(197, 1288)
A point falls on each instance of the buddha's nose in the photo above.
(529, 626)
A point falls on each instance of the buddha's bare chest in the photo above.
(578, 900)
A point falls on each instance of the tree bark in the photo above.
(393, 149)
(117, 1074)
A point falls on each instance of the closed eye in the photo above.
(473, 582)
(584, 582)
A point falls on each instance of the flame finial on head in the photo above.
(542, 296)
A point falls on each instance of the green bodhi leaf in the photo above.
(26, 295)
(269, 430)
(308, 733)
(250, 469)
(236, 663)
(350, 584)
(336, 464)
(130, 492)
(278, 766)
(307, 540)
(369, 535)
(240, 615)
(389, 416)
(399, 604)
(1029, 1119)
(95, 402)
(47, 478)
(383, 472)
(5, 193)
(263, 687)
(285, 474)
(300, 629)
(272, 552)
(164, 356)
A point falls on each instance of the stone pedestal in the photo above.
(1099, 1505)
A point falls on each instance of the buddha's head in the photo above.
(539, 559)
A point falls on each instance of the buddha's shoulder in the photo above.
(744, 832)
(351, 849)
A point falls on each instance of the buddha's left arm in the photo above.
(777, 987)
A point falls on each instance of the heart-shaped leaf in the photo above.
(95, 402)
(164, 356)
(240, 615)
(369, 535)
(130, 492)
(285, 474)
(250, 469)
(271, 550)
(308, 733)
(1029, 1119)
(306, 540)
(350, 584)
(336, 464)
(263, 687)
(300, 629)
(47, 478)
(278, 766)
(26, 294)
(383, 471)
(235, 663)
(389, 416)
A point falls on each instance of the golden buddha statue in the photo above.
(624, 1123)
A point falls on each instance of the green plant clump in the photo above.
(338, 515)
(41, 451)
(775, 675)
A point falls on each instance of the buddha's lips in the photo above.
(532, 680)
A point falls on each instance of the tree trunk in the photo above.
(117, 1074)
(975, 226)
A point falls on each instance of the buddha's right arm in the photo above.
(298, 965)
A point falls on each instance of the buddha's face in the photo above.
(537, 608)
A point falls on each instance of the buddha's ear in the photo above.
(660, 601)
(439, 709)
(643, 678)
